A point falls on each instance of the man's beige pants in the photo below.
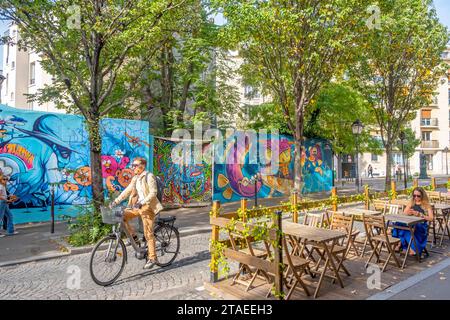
(148, 218)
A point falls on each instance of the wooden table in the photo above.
(357, 213)
(445, 210)
(324, 239)
(410, 222)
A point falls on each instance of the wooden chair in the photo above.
(392, 209)
(379, 205)
(314, 219)
(378, 241)
(342, 223)
(246, 247)
(400, 203)
(434, 196)
(295, 267)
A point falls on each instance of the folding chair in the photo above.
(312, 220)
(250, 250)
(434, 196)
(378, 241)
(342, 223)
(379, 205)
(399, 203)
(391, 209)
(295, 267)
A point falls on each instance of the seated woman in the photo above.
(418, 207)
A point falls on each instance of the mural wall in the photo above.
(38, 150)
(184, 184)
(235, 181)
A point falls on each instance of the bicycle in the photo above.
(111, 251)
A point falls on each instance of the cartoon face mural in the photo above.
(183, 184)
(38, 150)
(235, 181)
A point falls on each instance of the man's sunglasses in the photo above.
(417, 196)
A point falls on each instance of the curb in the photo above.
(71, 251)
(408, 283)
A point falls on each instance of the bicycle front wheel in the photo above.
(167, 244)
(108, 260)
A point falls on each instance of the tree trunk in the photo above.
(388, 167)
(96, 163)
(298, 183)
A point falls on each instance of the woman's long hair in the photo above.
(425, 202)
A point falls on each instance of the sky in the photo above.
(442, 8)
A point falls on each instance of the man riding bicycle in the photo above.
(142, 192)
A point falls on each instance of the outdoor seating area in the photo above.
(321, 253)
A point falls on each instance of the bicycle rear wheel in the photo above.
(167, 244)
(107, 260)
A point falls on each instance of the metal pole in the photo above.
(357, 165)
(404, 167)
(53, 209)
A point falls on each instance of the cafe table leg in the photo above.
(333, 266)
(322, 275)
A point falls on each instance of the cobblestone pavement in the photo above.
(52, 279)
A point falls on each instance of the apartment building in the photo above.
(23, 75)
(432, 127)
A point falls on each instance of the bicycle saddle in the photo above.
(167, 219)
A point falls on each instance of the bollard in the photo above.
(278, 254)
(52, 210)
(214, 275)
(366, 197)
(334, 196)
(244, 209)
(393, 190)
(433, 184)
(294, 201)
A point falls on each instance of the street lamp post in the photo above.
(446, 160)
(2, 78)
(357, 128)
(403, 141)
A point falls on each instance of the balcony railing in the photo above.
(430, 144)
(429, 122)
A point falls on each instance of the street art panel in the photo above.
(186, 183)
(234, 180)
(44, 150)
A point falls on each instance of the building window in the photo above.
(32, 73)
(374, 157)
(12, 96)
(251, 93)
(426, 136)
(13, 65)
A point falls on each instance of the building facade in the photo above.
(432, 127)
(23, 75)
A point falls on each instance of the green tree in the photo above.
(96, 50)
(400, 65)
(331, 117)
(293, 48)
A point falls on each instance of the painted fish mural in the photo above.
(40, 150)
(236, 180)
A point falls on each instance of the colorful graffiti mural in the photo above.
(41, 150)
(234, 180)
(184, 184)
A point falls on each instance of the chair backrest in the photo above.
(380, 205)
(434, 196)
(238, 240)
(372, 223)
(342, 223)
(400, 203)
(392, 209)
(313, 220)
